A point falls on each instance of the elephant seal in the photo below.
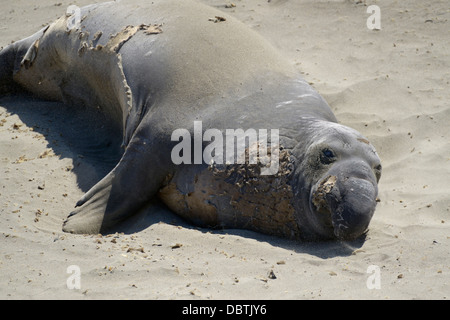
(164, 67)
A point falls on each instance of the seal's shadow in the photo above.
(93, 143)
(76, 132)
(157, 212)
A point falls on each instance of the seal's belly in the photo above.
(234, 196)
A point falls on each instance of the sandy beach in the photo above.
(392, 84)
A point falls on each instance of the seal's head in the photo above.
(341, 169)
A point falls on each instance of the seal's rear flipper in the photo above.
(7, 57)
(12, 57)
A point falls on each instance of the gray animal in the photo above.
(161, 67)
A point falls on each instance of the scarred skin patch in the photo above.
(238, 196)
(363, 141)
(32, 52)
(116, 41)
(319, 197)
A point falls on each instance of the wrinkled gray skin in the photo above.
(175, 67)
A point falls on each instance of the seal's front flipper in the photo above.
(89, 216)
(125, 190)
(109, 202)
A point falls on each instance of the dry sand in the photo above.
(392, 85)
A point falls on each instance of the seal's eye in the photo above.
(327, 156)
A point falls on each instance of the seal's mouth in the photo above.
(343, 207)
